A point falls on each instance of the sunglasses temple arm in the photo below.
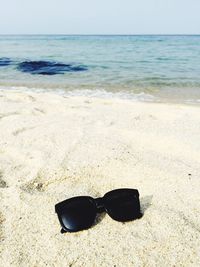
(62, 231)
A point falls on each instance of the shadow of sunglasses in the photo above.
(79, 213)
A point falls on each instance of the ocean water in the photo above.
(152, 68)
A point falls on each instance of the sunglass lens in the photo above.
(76, 213)
(123, 204)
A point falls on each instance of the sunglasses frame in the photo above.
(99, 206)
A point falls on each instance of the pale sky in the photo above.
(99, 16)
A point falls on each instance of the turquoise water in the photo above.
(154, 67)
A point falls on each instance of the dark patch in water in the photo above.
(4, 61)
(49, 68)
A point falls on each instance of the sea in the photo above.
(161, 68)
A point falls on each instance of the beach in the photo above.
(55, 146)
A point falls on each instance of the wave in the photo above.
(94, 93)
(172, 96)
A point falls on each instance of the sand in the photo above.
(53, 147)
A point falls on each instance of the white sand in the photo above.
(54, 147)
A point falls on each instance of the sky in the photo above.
(99, 16)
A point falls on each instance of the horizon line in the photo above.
(76, 34)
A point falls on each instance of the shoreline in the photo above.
(53, 147)
(141, 97)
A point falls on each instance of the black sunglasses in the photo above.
(79, 213)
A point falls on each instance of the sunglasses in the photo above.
(79, 213)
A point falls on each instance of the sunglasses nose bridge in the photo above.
(99, 204)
